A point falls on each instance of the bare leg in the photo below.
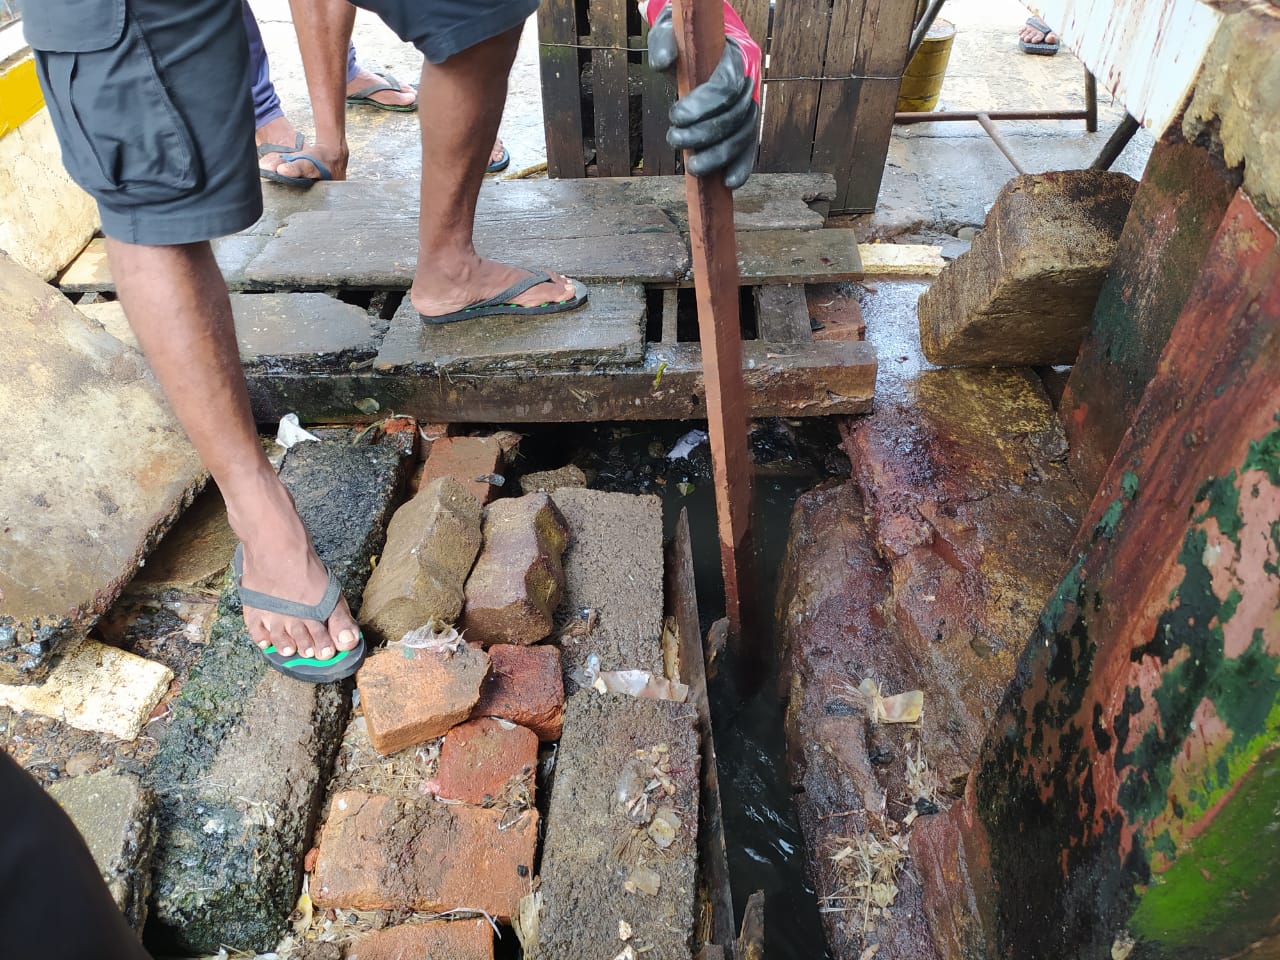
(176, 302)
(324, 33)
(460, 107)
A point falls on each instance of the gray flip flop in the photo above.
(501, 305)
(364, 97)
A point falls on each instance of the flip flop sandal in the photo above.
(307, 669)
(303, 183)
(265, 148)
(1039, 49)
(501, 305)
(364, 97)
(501, 163)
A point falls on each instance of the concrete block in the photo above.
(596, 843)
(1024, 293)
(525, 686)
(431, 544)
(439, 940)
(45, 218)
(467, 460)
(546, 481)
(380, 854)
(411, 696)
(97, 688)
(485, 760)
(241, 771)
(114, 813)
(95, 470)
(518, 580)
(623, 588)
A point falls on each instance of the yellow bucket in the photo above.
(922, 83)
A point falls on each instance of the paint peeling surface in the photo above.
(1129, 788)
(1147, 52)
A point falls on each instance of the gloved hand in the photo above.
(717, 121)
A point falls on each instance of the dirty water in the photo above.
(761, 830)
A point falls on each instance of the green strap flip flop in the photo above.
(364, 97)
(307, 669)
(501, 305)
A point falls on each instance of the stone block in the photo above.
(45, 218)
(1024, 293)
(431, 544)
(484, 760)
(438, 940)
(1175, 214)
(412, 695)
(469, 460)
(114, 813)
(95, 470)
(97, 688)
(525, 686)
(596, 843)
(518, 580)
(622, 588)
(380, 854)
(240, 773)
(546, 481)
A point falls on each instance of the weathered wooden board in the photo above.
(797, 54)
(782, 313)
(798, 256)
(90, 272)
(901, 260)
(611, 97)
(561, 94)
(609, 328)
(783, 380)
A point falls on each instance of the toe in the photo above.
(300, 636)
(318, 639)
(342, 627)
(280, 639)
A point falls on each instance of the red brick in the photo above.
(411, 696)
(518, 580)
(439, 940)
(465, 459)
(525, 685)
(377, 853)
(484, 759)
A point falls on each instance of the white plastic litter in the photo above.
(687, 444)
(291, 432)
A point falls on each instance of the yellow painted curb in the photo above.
(20, 96)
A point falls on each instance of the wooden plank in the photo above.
(382, 253)
(608, 329)
(782, 313)
(659, 94)
(868, 46)
(561, 91)
(755, 14)
(715, 896)
(798, 49)
(609, 92)
(700, 28)
(900, 260)
(798, 256)
(670, 315)
(782, 380)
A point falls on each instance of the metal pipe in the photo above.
(1120, 138)
(999, 141)
(1090, 102)
(922, 28)
(974, 115)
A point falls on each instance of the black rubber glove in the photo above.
(718, 120)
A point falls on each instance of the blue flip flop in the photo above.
(501, 163)
(303, 183)
(501, 305)
(307, 669)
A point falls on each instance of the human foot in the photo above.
(499, 158)
(379, 90)
(451, 287)
(1036, 37)
(278, 560)
(301, 167)
(276, 133)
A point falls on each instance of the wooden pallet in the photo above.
(831, 87)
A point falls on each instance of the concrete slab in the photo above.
(618, 592)
(240, 772)
(114, 813)
(90, 272)
(606, 860)
(96, 688)
(95, 467)
(608, 329)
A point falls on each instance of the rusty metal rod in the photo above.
(999, 141)
(973, 115)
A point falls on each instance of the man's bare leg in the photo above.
(176, 302)
(460, 106)
(324, 31)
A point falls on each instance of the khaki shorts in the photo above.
(150, 100)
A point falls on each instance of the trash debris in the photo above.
(433, 637)
(368, 406)
(586, 674)
(291, 432)
(900, 708)
(664, 827)
(526, 919)
(628, 953)
(643, 880)
(624, 930)
(641, 684)
(685, 488)
(645, 779)
(687, 444)
(303, 911)
(869, 870)
(493, 479)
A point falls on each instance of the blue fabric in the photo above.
(441, 28)
(266, 103)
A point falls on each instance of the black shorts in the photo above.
(150, 100)
(441, 28)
